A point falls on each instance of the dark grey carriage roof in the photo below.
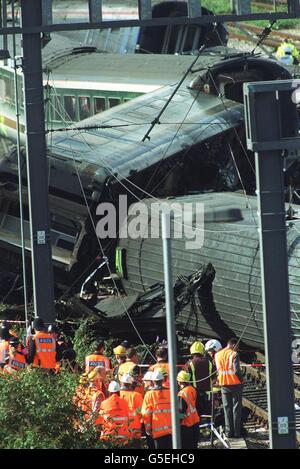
(120, 150)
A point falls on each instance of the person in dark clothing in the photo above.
(64, 349)
(120, 355)
(125, 344)
(162, 364)
(200, 369)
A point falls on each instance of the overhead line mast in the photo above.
(37, 168)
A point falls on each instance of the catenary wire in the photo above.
(113, 172)
(104, 256)
(82, 189)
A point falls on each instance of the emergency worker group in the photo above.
(129, 403)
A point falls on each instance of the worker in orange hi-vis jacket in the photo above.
(97, 391)
(156, 412)
(114, 418)
(130, 366)
(97, 358)
(230, 378)
(189, 418)
(16, 359)
(79, 398)
(134, 400)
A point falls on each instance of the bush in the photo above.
(36, 412)
(90, 330)
(84, 337)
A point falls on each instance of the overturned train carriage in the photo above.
(223, 275)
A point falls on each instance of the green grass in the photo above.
(220, 7)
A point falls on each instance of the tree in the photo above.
(37, 412)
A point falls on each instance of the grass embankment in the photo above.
(223, 7)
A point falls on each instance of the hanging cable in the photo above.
(242, 184)
(221, 97)
(104, 256)
(170, 144)
(157, 118)
(132, 124)
(82, 189)
(263, 36)
(114, 172)
(23, 248)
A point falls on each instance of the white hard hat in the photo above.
(127, 378)
(114, 387)
(157, 376)
(213, 345)
(147, 376)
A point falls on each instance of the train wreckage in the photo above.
(196, 153)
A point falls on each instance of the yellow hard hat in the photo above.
(197, 347)
(95, 372)
(119, 350)
(183, 377)
(92, 375)
(83, 379)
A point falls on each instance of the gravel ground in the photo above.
(256, 439)
(245, 46)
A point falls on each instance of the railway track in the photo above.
(255, 396)
(250, 32)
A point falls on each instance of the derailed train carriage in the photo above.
(218, 285)
(196, 148)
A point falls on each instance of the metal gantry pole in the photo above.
(37, 171)
(4, 22)
(275, 295)
(272, 128)
(171, 331)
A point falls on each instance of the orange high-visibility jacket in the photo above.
(80, 398)
(4, 350)
(156, 412)
(89, 392)
(97, 398)
(225, 367)
(189, 394)
(18, 362)
(166, 368)
(135, 401)
(127, 368)
(45, 354)
(94, 360)
(113, 418)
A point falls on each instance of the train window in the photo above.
(65, 244)
(20, 93)
(84, 107)
(6, 89)
(112, 102)
(70, 108)
(64, 225)
(99, 105)
(57, 108)
(14, 210)
(2, 89)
